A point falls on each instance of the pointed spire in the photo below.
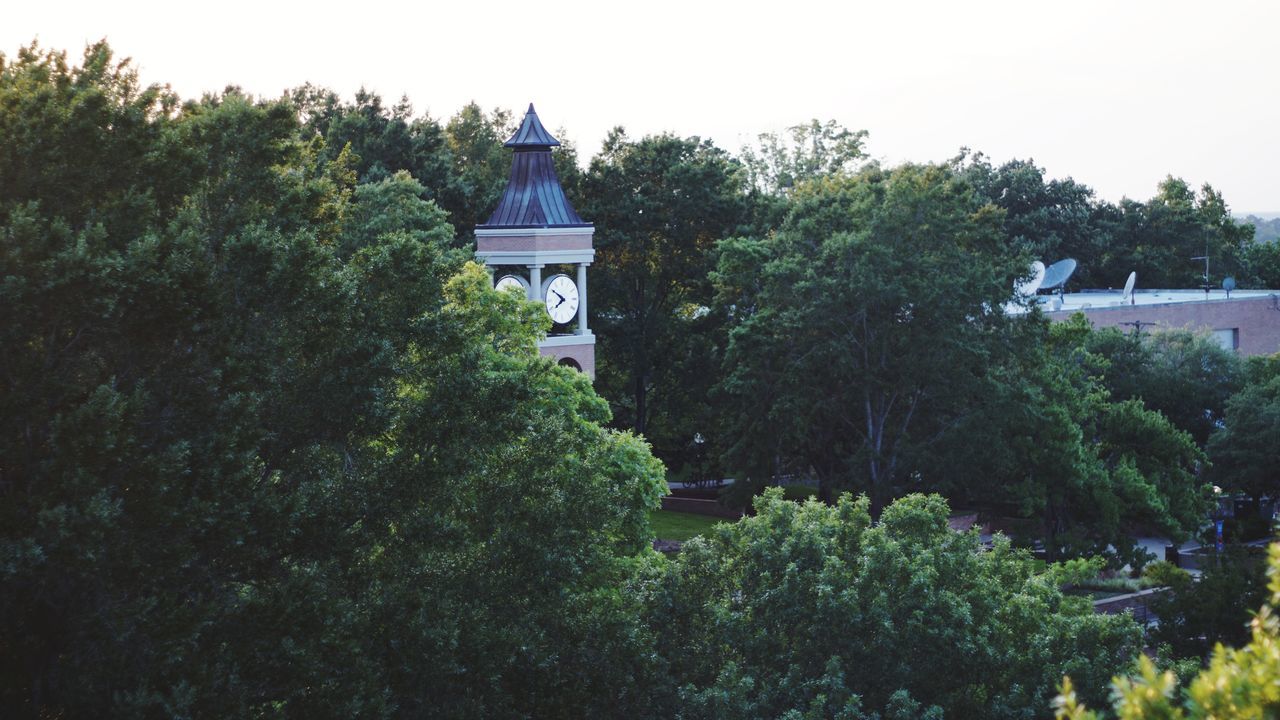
(533, 198)
(531, 134)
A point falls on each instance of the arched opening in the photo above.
(571, 363)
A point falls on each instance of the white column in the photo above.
(582, 299)
(535, 282)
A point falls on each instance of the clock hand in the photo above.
(559, 296)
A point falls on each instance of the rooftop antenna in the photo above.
(1128, 287)
(1137, 326)
(1228, 284)
(1205, 286)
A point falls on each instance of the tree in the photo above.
(481, 165)
(1186, 376)
(382, 140)
(1214, 609)
(1050, 444)
(462, 165)
(269, 448)
(659, 204)
(1238, 683)
(1159, 238)
(1054, 219)
(1046, 220)
(813, 150)
(1262, 264)
(860, 325)
(1245, 449)
(811, 611)
(1266, 230)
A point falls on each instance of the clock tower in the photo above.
(535, 240)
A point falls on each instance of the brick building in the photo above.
(1248, 321)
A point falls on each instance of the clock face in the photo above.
(511, 281)
(562, 299)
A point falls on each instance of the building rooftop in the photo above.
(1101, 299)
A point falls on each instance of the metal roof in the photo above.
(533, 198)
(531, 133)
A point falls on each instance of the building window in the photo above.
(1229, 338)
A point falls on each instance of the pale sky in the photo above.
(1116, 94)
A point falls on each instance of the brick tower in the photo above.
(536, 240)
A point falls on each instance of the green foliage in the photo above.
(1245, 450)
(1185, 376)
(1054, 219)
(271, 449)
(395, 205)
(810, 611)
(1262, 264)
(814, 150)
(1166, 574)
(659, 204)
(74, 138)
(798, 492)
(860, 326)
(1214, 609)
(1158, 237)
(383, 140)
(481, 165)
(1266, 230)
(1083, 468)
(460, 165)
(1238, 683)
(1076, 571)
(1046, 220)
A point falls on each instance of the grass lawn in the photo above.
(669, 525)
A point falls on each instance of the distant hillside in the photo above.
(1267, 228)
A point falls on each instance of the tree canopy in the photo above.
(1245, 449)
(1239, 682)
(659, 205)
(857, 325)
(249, 410)
(271, 446)
(812, 611)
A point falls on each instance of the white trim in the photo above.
(534, 232)
(567, 340)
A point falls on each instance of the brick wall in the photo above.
(1256, 318)
(584, 355)
(531, 242)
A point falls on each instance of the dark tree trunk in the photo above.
(640, 402)
(879, 499)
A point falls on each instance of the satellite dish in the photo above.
(1228, 283)
(1028, 287)
(1128, 286)
(1056, 275)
